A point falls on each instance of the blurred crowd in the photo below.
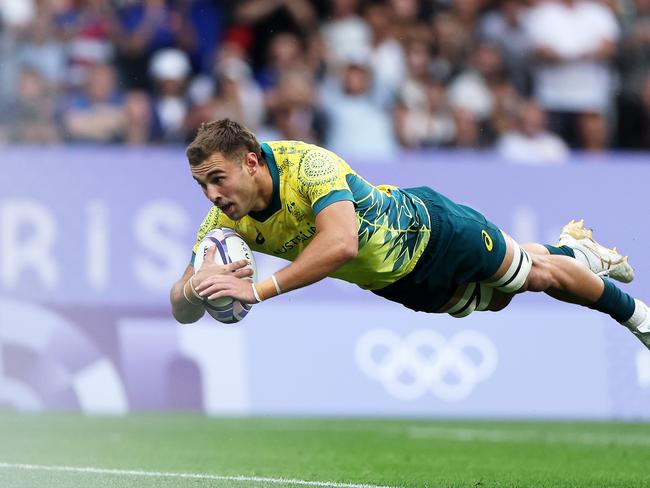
(533, 79)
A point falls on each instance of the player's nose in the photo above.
(213, 194)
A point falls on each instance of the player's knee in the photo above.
(541, 277)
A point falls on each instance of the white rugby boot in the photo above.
(641, 316)
(601, 260)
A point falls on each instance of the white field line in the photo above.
(498, 436)
(193, 476)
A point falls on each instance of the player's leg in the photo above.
(568, 280)
(475, 297)
(497, 292)
(577, 241)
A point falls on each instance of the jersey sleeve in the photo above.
(212, 219)
(321, 177)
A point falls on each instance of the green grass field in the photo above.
(65, 450)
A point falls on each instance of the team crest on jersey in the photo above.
(295, 211)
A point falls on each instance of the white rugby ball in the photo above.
(230, 247)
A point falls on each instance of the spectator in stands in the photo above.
(452, 44)
(258, 21)
(15, 19)
(209, 22)
(233, 93)
(468, 130)
(467, 12)
(428, 124)
(358, 126)
(504, 28)
(30, 117)
(87, 28)
(296, 114)
(143, 27)
(387, 55)
(404, 17)
(573, 42)
(506, 104)
(345, 32)
(418, 54)
(41, 47)
(170, 71)
(97, 114)
(413, 90)
(530, 141)
(286, 52)
(469, 89)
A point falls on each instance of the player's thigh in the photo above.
(494, 293)
(515, 271)
(475, 297)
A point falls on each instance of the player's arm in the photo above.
(186, 307)
(335, 243)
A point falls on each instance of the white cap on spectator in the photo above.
(169, 64)
(17, 12)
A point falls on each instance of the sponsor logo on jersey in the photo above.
(303, 236)
(487, 240)
(260, 238)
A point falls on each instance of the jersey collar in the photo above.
(275, 204)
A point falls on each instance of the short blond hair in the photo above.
(224, 136)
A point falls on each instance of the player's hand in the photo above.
(227, 285)
(238, 269)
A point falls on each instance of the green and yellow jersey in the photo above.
(394, 225)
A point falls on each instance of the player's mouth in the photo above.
(226, 208)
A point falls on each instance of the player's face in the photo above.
(229, 185)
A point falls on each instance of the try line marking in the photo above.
(193, 476)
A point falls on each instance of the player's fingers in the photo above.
(219, 294)
(209, 256)
(214, 288)
(208, 282)
(234, 266)
(243, 272)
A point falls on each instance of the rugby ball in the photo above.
(230, 247)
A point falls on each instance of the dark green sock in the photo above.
(615, 302)
(560, 250)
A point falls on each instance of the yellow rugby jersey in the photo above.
(394, 225)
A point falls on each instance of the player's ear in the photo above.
(251, 163)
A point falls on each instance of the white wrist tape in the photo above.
(275, 282)
(188, 298)
(255, 293)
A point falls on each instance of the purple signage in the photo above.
(91, 240)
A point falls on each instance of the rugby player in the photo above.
(413, 246)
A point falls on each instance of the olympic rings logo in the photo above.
(425, 361)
